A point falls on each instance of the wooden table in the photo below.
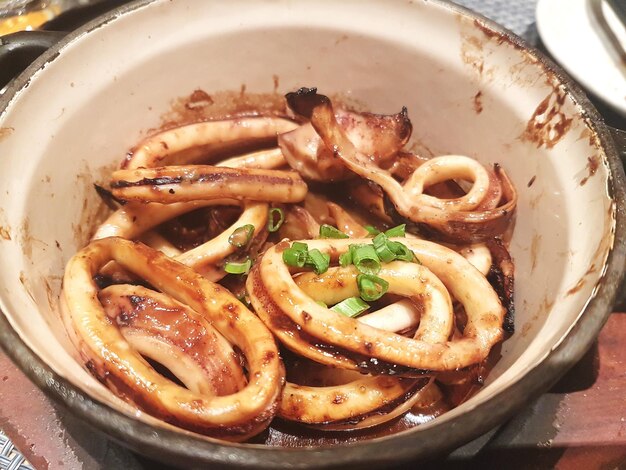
(579, 424)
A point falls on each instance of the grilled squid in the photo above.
(201, 141)
(222, 201)
(327, 337)
(171, 184)
(363, 402)
(380, 136)
(482, 213)
(235, 416)
(135, 218)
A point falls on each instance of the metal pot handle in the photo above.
(19, 50)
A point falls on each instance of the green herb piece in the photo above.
(383, 251)
(372, 230)
(318, 261)
(398, 231)
(238, 268)
(241, 236)
(345, 259)
(272, 224)
(371, 287)
(402, 252)
(294, 258)
(365, 259)
(328, 231)
(351, 307)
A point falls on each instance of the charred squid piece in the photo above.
(172, 184)
(470, 218)
(380, 136)
(136, 218)
(465, 283)
(236, 416)
(360, 404)
(175, 336)
(198, 142)
(502, 278)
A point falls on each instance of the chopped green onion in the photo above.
(241, 236)
(383, 251)
(272, 224)
(295, 258)
(398, 231)
(402, 252)
(296, 255)
(299, 246)
(365, 259)
(372, 230)
(345, 259)
(371, 287)
(238, 268)
(321, 304)
(351, 307)
(328, 231)
(318, 261)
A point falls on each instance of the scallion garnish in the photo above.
(241, 236)
(371, 287)
(328, 231)
(383, 251)
(365, 259)
(300, 246)
(402, 252)
(397, 231)
(351, 307)
(372, 230)
(272, 224)
(295, 257)
(345, 259)
(318, 261)
(238, 268)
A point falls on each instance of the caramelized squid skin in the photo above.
(200, 182)
(175, 336)
(106, 353)
(483, 308)
(348, 404)
(502, 278)
(463, 219)
(380, 136)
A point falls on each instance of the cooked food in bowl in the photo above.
(336, 280)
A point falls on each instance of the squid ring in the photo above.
(234, 417)
(191, 143)
(368, 401)
(466, 284)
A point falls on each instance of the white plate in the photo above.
(572, 32)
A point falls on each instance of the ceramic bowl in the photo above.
(471, 88)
